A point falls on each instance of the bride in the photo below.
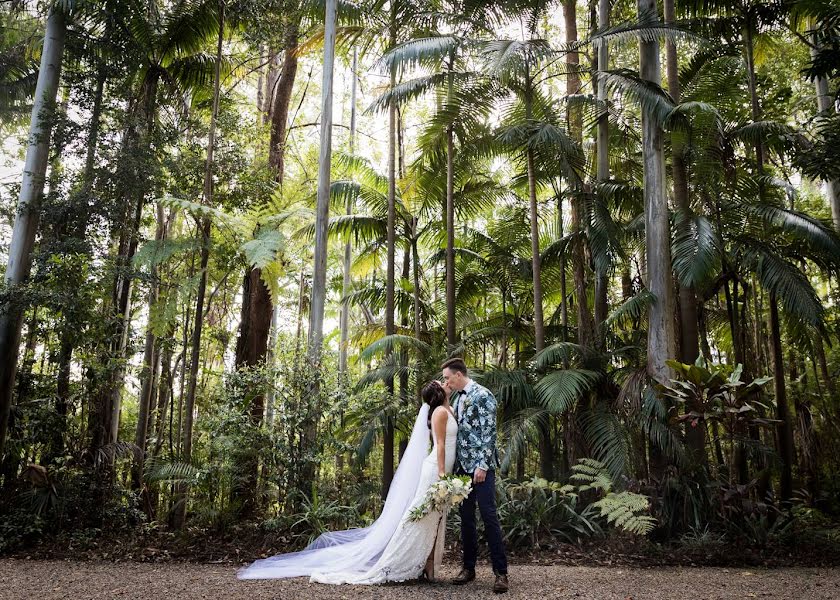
(393, 548)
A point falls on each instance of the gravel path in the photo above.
(47, 580)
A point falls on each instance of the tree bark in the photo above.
(451, 332)
(29, 203)
(689, 332)
(348, 253)
(661, 335)
(390, 268)
(322, 214)
(148, 374)
(585, 323)
(603, 170)
(282, 99)
(784, 428)
(825, 105)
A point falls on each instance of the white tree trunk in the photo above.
(348, 257)
(28, 211)
(322, 211)
(825, 102)
(661, 334)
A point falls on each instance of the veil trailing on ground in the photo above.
(355, 549)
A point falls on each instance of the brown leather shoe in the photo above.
(465, 576)
(501, 585)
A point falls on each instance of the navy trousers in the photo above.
(483, 494)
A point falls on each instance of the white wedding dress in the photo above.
(392, 548)
(412, 542)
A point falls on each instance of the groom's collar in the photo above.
(470, 384)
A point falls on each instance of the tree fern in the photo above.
(626, 510)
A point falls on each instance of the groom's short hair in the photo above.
(455, 364)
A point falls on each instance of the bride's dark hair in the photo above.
(434, 395)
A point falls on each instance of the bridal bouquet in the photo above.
(442, 495)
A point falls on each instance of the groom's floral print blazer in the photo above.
(475, 408)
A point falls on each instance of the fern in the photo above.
(626, 510)
(591, 474)
(161, 470)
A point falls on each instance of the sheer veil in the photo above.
(355, 550)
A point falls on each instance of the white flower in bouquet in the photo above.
(442, 495)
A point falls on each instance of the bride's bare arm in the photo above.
(439, 426)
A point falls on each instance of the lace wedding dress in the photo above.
(412, 542)
(392, 548)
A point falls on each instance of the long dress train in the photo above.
(413, 541)
(391, 548)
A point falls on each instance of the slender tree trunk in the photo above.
(539, 329)
(784, 427)
(661, 335)
(689, 333)
(148, 373)
(322, 214)
(205, 227)
(825, 106)
(415, 263)
(403, 352)
(271, 79)
(449, 220)
(585, 323)
(28, 211)
(348, 254)
(546, 447)
(388, 433)
(254, 329)
(603, 149)
(830, 382)
(451, 333)
(564, 300)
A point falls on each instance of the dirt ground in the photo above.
(47, 580)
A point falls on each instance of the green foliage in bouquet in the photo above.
(442, 495)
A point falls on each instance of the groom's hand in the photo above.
(479, 475)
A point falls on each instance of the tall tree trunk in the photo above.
(661, 335)
(584, 316)
(388, 433)
(322, 215)
(28, 211)
(603, 167)
(271, 79)
(689, 333)
(546, 447)
(784, 428)
(449, 220)
(415, 263)
(348, 254)
(257, 307)
(205, 227)
(539, 327)
(282, 99)
(825, 106)
(148, 374)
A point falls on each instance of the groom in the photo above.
(475, 408)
